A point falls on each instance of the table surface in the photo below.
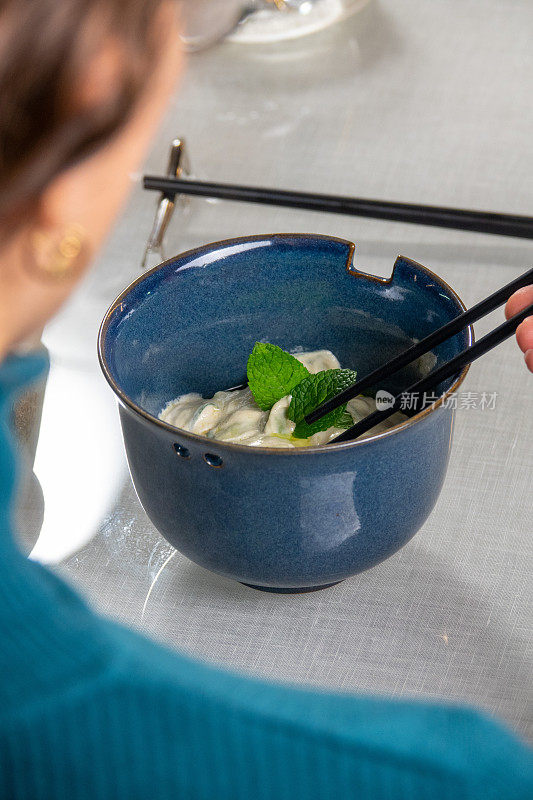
(413, 101)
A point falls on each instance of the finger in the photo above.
(519, 300)
(529, 360)
(524, 335)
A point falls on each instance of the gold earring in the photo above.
(55, 257)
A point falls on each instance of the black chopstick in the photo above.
(439, 216)
(431, 381)
(420, 348)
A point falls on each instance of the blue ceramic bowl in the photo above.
(282, 520)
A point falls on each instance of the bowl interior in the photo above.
(190, 324)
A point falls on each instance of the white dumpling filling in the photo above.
(235, 416)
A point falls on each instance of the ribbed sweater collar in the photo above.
(46, 631)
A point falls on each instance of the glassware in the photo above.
(276, 20)
(206, 22)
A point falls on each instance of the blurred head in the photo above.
(83, 84)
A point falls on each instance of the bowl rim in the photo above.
(283, 451)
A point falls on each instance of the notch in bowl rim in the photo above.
(282, 451)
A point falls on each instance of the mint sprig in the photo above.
(314, 390)
(272, 374)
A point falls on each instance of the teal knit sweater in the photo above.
(89, 709)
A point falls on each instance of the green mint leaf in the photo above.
(314, 390)
(272, 374)
(331, 420)
(345, 420)
(311, 393)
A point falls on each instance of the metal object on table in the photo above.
(178, 164)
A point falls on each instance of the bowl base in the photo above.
(297, 590)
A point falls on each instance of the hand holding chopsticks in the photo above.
(434, 378)
(524, 333)
(431, 381)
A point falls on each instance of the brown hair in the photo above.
(43, 47)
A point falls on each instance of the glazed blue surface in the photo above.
(278, 519)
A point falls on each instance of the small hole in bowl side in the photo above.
(213, 460)
(181, 451)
